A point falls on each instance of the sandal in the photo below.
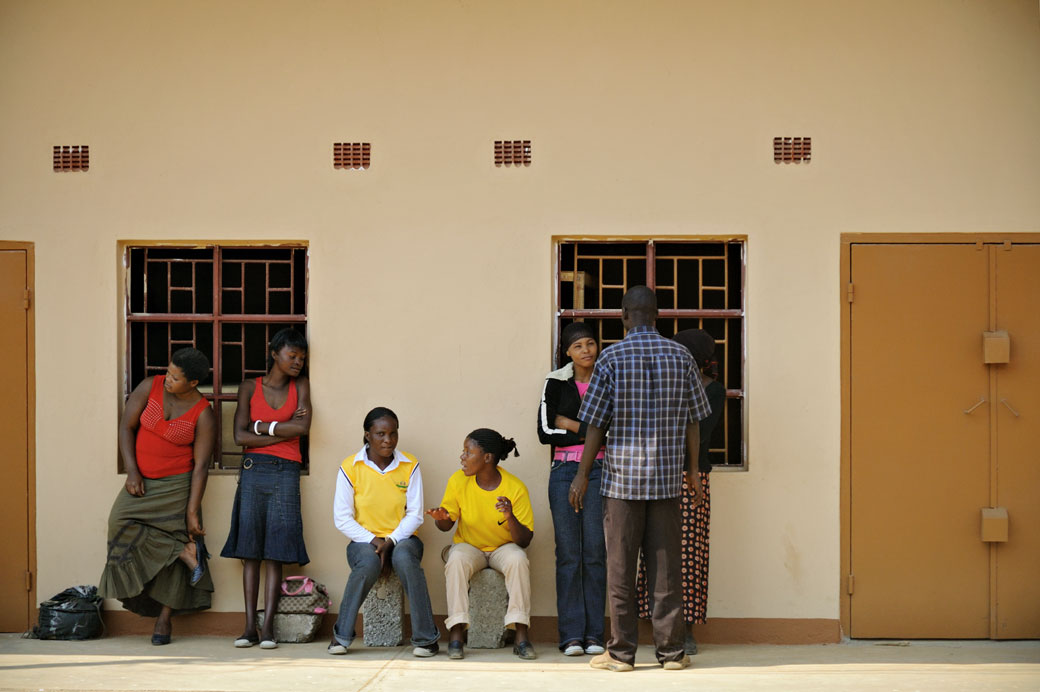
(201, 555)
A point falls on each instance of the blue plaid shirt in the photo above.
(646, 388)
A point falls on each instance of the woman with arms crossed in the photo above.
(273, 412)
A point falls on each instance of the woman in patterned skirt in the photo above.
(695, 519)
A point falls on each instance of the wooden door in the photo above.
(15, 491)
(1017, 425)
(919, 464)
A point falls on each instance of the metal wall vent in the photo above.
(68, 158)
(792, 149)
(516, 152)
(352, 155)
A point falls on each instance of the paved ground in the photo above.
(209, 663)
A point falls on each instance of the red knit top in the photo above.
(165, 447)
(259, 409)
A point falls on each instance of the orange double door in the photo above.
(937, 435)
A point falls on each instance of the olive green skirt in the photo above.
(145, 538)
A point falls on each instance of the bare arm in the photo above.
(520, 534)
(300, 423)
(693, 446)
(441, 518)
(205, 439)
(128, 425)
(244, 435)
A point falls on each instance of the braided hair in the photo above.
(493, 443)
(374, 415)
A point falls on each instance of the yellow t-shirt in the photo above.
(480, 524)
(379, 499)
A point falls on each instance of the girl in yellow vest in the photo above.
(495, 524)
(378, 506)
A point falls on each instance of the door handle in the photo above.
(981, 401)
(1005, 402)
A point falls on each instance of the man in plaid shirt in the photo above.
(647, 389)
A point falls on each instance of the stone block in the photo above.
(382, 613)
(488, 601)
(292, 628)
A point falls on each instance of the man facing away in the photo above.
(647, 389)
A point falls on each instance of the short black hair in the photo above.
(493, 443)
(374, 415)
(288, 337)
(193, 362)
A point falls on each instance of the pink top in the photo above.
(165, 447)
(573, 452)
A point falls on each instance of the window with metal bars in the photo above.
(699, 285)
(226, 301)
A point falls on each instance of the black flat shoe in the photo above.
(201, 555)
(160, 639)
(455, 650)
(525, 651)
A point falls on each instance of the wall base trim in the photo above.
(543, 628)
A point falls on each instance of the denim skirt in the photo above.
(266, 522)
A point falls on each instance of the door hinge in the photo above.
(851, 293)
(27, 299)
(851, 584)
(28, 581)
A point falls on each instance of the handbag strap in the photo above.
(288, 582)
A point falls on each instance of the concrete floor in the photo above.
(210, 663)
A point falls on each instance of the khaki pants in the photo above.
(465, 560)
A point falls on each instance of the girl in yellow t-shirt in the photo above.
(495, 524)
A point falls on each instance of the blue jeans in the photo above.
(581, 556)
(406, 559)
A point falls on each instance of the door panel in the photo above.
(919, 464)
(1018, 443)
(14, 454)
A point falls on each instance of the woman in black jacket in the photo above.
(581, 570)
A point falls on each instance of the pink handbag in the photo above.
(302, 594)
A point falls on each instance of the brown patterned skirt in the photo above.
(695, 525)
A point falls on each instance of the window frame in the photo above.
(651, 242)
(217, 318)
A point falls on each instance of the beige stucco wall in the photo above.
(431, 273)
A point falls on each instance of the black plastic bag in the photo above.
(75, 613)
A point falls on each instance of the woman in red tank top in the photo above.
(156, 558)
(266, 524)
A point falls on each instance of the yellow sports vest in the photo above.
(379, 498)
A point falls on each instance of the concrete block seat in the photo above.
(488, 601)
(382, 612)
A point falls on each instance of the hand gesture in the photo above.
(439, 514)
(135, 483)
(300, 412)
(505, 506)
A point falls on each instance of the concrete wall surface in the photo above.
(431, 273)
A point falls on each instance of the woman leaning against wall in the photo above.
(156, 556)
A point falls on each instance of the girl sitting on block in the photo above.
(495, 524)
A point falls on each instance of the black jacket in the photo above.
(559, 396)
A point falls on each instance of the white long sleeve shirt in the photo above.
(343, 505)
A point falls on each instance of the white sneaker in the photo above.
(268, 644)
(573, 650)
(337, 649)
(593, 649)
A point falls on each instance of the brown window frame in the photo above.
(215, 390)
(736, 460)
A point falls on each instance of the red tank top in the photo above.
(259, 409)
(164, 447)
